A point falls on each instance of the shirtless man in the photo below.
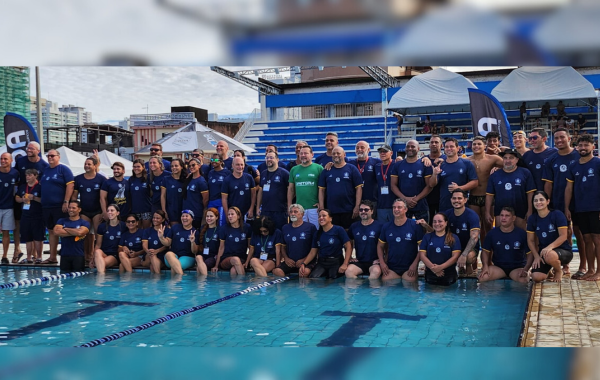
(484, 163)
(492, 141)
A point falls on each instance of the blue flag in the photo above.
(18, 132)
(488, 115)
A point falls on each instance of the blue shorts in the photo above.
(186, 262)
(33, 229)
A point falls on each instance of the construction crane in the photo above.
(263, 88)
(381, 76)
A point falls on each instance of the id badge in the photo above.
(263, 256)
(205, 252)
(26, 206)
(385, 190)
(266, 187)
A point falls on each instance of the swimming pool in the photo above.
(304, 313)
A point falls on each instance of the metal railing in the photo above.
(247, 125)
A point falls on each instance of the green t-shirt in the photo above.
(306, 180)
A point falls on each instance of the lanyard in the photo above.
(27, 188)
(264, 244)
(208, 239)
(384, 175)
(363, 168)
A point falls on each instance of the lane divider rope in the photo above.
(41, 280)
(177, 314)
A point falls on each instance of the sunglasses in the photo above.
(534, 137)
(215, 160)
(154, 150)
(132, 221)
(195, 155)
(364, 209)
(192, 165)
(51, 155)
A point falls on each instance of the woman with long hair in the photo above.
(329, 241)
(195, 192)
(131, 250)
(152, 244)
(108, 237)
(439, 250)
(234, 240)
(156, 175)
(265, 246)
(554, 249)
(141, 203)
(206, 258)
(183, 240)
(171, 190)
(215, 180)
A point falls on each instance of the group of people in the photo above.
(309, 216)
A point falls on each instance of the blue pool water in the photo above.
(305, 313)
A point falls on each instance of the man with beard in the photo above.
(114, 191)
(534, 158)
(297, 161)
(72, 232)
(297, 242)
(385, 195)
(464, 222)
(366, 166)
(436, 157)
(272, 192)
(304, 185)
(364, 236)
(331, 141)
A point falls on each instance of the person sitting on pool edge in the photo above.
(206, 258)
(265, 246)
(554, 250)
(364, 236)
(439, 251)
(234, 241)
(106, 254)
(152, 244)
(505, 252)
(328, 243)
(297, 242)
(183, 240)
(72, 232)
(131, 250)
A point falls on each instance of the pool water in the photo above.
(295, 313)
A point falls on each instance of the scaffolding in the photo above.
(14, 94)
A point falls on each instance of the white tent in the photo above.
(75, 161)
(438, 90)
(536, 85)
(108, 158)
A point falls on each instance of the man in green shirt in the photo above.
(304, 185)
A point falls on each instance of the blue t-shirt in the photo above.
(340, 184)
(368, 173)
(236, 240)
(211, 241)
(111, 237)
(239, 191)
(298, 240)
(365, 240)
(403, 243)
(89, 192)
(511, 189)
(383, 174)
(546, 229)
(438, 252)
(139, 195)
(155, 184)
(117, 193)
(166, 164)
(509, 248)
(535, 164)
(412, 179)
(54, 185)
(215, 183)
(174, 201)
(331, 243)
(227, 163)
(460, 172)
(463, 224)
(8, 181)
(180, 240)
(433, 198)
(193, 198)
(72, 245)
(555, 172)
(275, 199)
(35, 207)
(266, 244)
(23, 163)
(151, 236)
(324, 159)
(586, 184)
(132, 241)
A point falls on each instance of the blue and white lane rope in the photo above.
(41, 280)
(177, 314)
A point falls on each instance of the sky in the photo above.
(113, 93)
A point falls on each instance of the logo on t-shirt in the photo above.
(438, 250)
(507, 186)
(398, 239)
(563, 168)
(331, 241)
(507, 247)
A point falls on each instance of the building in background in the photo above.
(59, 123)
(78, 114)
(213, 117)
(125, 124)
(14, 93)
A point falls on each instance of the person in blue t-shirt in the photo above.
(512, 186)
(206, 258)
(341, 188)
(234, 241)
(328, 242)
(331, 141)
(156, 175)
(115, 190)
(195, 192)
(139, 190)
(539, 152)
(239, 190)
(28, 197)
(505, 253)
(156, 151)
(171, 191)
(439, 251)
(554, 248)
(400, 238)
(465, 223)
(72, 231)
(436, 157)
(366, 166)
(271, 198)
(364, 236)
(108, 237)
(9, 179)
(215, 179)
(153, 244)
(454, 173)
(297, 242)
(265, 246)
(184, 243)
(383, 173)
(131, 248)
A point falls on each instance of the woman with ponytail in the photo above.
(439, 250)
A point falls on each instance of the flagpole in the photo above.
(40, 122)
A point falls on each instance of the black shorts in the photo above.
(565, 257)
(507, 269)
(18, 210)
(287, 270)
(51, 215)
(33, 229)
(449, 278)
(209, 261)
(588, 222)
(327, 267)
(343, 219)
(90, 214)
(115, 255)
(477, 200)
(398, 270)
(364, 266)
(70, 264)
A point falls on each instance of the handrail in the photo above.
(239, 136)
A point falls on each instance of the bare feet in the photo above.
(589, 274)
(595, 277)
(565, 270)
(557, 276)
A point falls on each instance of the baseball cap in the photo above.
(385, 148)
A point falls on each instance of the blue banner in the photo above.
(18, 132)
(488, 115)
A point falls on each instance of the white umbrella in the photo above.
(108, 158)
